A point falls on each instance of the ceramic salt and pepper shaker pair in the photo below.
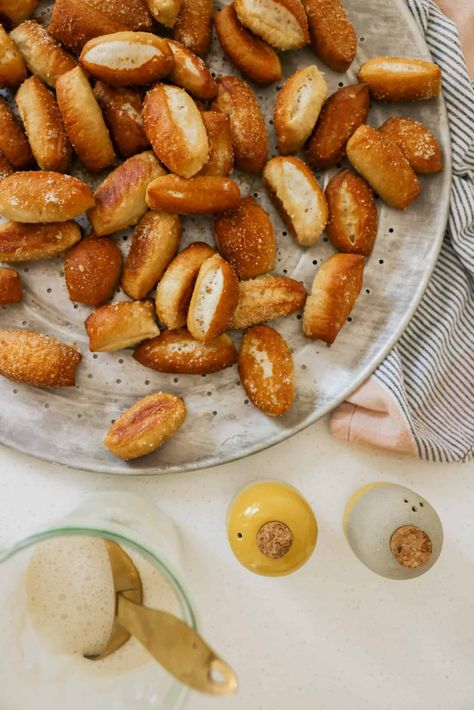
(395, 532)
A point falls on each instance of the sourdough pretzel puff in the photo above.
(12, 66)
(42, 54)
(400, 78)
(193, 26)
(191, 73)
(84, 121)
(13, 142)
(44, 126)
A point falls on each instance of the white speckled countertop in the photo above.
(333, 635)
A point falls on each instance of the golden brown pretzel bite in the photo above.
(266, 298)
(36, 359)
(125, 58)
(155, 243)
(75, 22)
(200, 195)
(120, 325)
(380, 161)
(267, 371)
(146, 426)
(246, 238)
(12, 66)
(122, 108)
(281, 23)
(214, 299)
(341, 115)
(120, 199)
(92, 271)
(12, 12)
(297, 108)
(84, 121)
(417, 143)
(177, 351)
(190, 72)
(34, 242)
(352, 224)
(133, 13)
(10, 286)
(333, 37)
(400, 78)
(175, 130)
(44, 126)
(174, 291)
(249, 134)
(37, 197)
(42, 54)
(221, 154)
(251, 55)
(13, 142)
(193, 26)
(335, 290)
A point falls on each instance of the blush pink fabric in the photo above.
(373, 416)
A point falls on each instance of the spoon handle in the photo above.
(177, 647)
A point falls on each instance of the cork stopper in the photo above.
(274, 540)
(411, 546)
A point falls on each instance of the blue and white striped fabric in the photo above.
(431, 370)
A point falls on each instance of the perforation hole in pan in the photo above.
(222, 425)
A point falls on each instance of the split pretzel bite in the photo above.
(297, 108)
(155, 243)
(120, 200)
(214, 299)
(267, 371)
(36, 359)
(333, 36)
(126, 58)
(247, 124)
(175, 130)
(400, 78)
(84, 121)
(380, 161)
(281, 23)
(44, 126)
(12, 66)
(251, 55)
(298, 198)
(174, 291)
(146, 426)
(335, 290)
(122, 109)
(352, 225)
(42, 54)
(190, 72)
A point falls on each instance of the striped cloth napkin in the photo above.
(421, 399)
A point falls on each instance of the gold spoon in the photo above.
(174, 644)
